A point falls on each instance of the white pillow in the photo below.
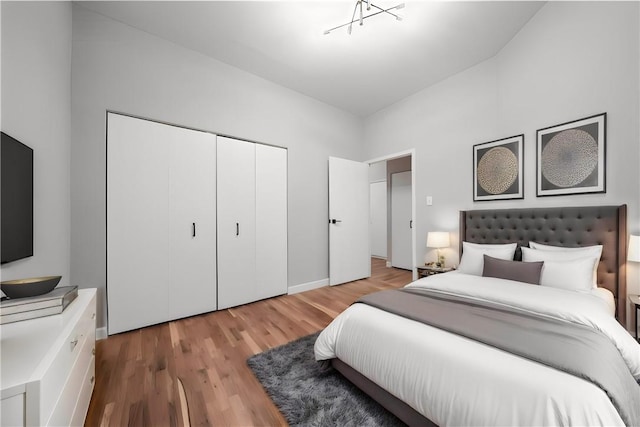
(563, 266)
(585, 251)
(490, 246)
(595, 250)
(472, 261)
(573, 275)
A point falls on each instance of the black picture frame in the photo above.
(498, 169)
(571, 157)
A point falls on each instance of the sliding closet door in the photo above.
(271, 221)
(161, 222)
(192, 219)
(137, 223)
(236, 222)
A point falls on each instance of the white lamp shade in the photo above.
(437, 239)
(634, 248)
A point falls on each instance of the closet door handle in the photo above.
(237, 229)
(410, 223)
(194, 229)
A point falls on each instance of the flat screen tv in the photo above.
(16, 208)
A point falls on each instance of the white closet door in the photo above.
(378, 215)
(137, 223)
(401, 221)
(236, 222)
(192, 217)
(271, 222)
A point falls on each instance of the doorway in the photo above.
(349, 215)
(392, 197)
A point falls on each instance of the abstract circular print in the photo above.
(497, 170)
(569, 158)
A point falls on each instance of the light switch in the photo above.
(429, 200)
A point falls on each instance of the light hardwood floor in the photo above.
(149, 377)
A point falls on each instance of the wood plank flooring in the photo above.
(193, 371)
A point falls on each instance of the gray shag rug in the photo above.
(310, 393)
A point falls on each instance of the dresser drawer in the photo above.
(73, 355)
(70, 393)
(82, 405)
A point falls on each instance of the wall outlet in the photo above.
(429, 200)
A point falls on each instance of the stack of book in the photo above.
(54, 302)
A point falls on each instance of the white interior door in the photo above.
(271, 222)
(192, 217)
(378, 215)
(236, 203)
(137, 223)
(349, 248)
(401, 220)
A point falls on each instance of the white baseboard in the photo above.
(388, 264)
(101, 333)
(302, 287)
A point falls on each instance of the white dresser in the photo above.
(47, 368)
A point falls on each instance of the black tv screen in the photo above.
(16, 208)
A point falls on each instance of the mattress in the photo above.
(453, 380)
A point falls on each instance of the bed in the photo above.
(429, 375)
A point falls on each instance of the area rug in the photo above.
(309, 393)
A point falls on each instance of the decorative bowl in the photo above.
(22, 288)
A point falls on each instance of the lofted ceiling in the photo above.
(380, 63)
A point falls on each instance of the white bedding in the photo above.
(457, 381)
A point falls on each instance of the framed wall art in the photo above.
(570, 157)
(498, 168)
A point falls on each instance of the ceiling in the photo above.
(380, 63)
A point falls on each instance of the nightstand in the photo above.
(427, 270)
(635, 300)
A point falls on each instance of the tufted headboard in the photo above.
(570, 226)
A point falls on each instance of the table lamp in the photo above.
(438, 239)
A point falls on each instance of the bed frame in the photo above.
(571, 227)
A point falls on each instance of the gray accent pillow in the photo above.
(526, 272)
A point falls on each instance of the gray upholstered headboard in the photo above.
(570, 226)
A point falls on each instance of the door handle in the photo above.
(237, 228)
(334, 221)
(410, 223)
(194, 229)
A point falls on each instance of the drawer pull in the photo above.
(74, 343)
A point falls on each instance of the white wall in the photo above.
(378, 171)
(36, 102)
(116, 67)
(441, 122)
(572, 60)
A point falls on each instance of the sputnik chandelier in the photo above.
(359, 6)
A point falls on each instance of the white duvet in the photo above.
(453, 380)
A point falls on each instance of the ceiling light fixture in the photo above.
(360, 20)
